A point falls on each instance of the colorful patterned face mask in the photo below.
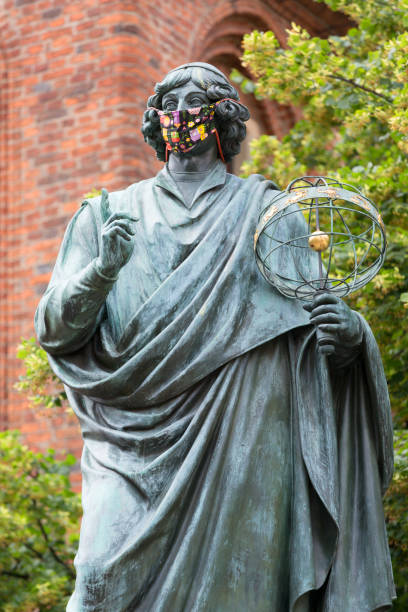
(183, 129)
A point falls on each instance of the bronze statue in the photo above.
(228, 463)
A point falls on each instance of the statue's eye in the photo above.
(169, 105)
(196, 101)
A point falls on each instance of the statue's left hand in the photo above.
(339, 326)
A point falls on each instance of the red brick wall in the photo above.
(75, 77)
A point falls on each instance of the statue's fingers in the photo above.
(325, 341)
(118, 231)
(124, 224)
(325, 309)
(326, 349)
(330, 328)
(328, 317)
(325, 297)
(121, 216)
(105, 208)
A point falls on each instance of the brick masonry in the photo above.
(74, 80)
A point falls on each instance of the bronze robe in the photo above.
(227, 465)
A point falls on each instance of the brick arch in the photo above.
(274, 15)
(249, 15)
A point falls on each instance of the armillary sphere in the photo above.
(319, 235)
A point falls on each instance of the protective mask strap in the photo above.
(214, 131)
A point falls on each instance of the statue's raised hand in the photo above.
(117, 241)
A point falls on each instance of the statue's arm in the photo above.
(85, 272)
(69, 311)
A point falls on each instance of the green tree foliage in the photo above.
(38, 383)
(353, 91)
(39, 521)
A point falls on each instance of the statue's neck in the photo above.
(188, 162)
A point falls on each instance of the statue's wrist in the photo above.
(107, 273)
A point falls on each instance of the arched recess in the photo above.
(4, 194)
(218, 40)
(220, 43)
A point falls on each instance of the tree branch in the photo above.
(52, 550)
(363, 87)
(14, 574)
(33, 550)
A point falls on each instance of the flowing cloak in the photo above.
(227, 465)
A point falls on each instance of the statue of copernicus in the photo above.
(229, 465)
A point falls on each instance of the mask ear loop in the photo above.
(168, 148)
(214, 131)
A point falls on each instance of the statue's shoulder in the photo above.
(253, 187)
(252, 180)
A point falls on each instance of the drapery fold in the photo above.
(345, 441)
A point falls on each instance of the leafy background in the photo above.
(39, 520)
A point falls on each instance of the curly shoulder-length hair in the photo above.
(229, 115)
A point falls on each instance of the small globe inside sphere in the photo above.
(319, 241)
